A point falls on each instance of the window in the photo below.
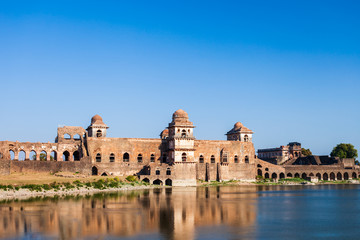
(126, 157)
(98, 157)
(152, 158)
(236, 159)
(246, 159)
(112, 157)
(157, 172)
(183, 157)
(201, 159)
(164, 157)
(224, 158)
(168, 171)
(212, 159)
(183, 133)
(139, 158)
(246, 138)
(98, 133)
(67, 136)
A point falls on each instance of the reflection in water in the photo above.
(170, 213)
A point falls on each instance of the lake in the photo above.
(225, 212)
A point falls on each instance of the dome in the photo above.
(166, 131)
(180, 113)
(96, 119)
(238, 125)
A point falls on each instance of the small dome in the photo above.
(96, 118)
(238, 125)
(180, 113)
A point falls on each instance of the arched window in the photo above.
(212, 159)
(76, 137)
(32, 155)
(152, 158)
(183, 157)
(236, 159)
(66, 156)
(225, 157)
(183, 133)
(94, 171)
(22, 155)
(126, 157)
(76, 156)
(201, 159)
(139, 158)
(246, 159)
(53, 156)
(43, 156)
(157, 172)
(12, 154)
(168, 171)
(112, 157)
(246, 138)
(67, 136)
(274, 176)
(98, 133)
(98, 157)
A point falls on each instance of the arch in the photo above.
(112, 157)
(236, 159)
(22, 155)
(98, 157)
(274, 176)
(339, 176)
(98, 133)
(332, 176)
(76, 137)
(152, 158)
(259, 165)
(157, 182)
(76, 156)
(146, 180)
(168, 171)
(94, 171)
(289, 175)
(126, 157)
(212, 159)
(168, 182)
(354, 175)
(104, 174)
(246, 159)
(139, 158)
(183, 133)
(246, 138)
(12, 155)
(53, 155)
(311, 175)
(32, 155)
(282, 175)
(259, 172)
(304, 176)
(318, 175)
(346, 176)
(183, 157)
(157, 172)
(67, 136)
(201, 159)
(66, 156)
(296, 175)
(266, 169)
(266, 175)
(43, 155)
(325, 176)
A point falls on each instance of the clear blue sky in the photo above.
(288, 70)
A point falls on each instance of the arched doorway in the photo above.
(274, 176)
(325, 176)
(282, 175)
(158, 182)
(289, 175)
(94, 171)
(297, 175)
(266, 175)
(346, 176)
(66, 156)
(146, 180)
(353, 175)
(259, 173)
(318, 175)
(338, 176)
(304, 176)
(332, 176)
(76, 156)
(168, 182)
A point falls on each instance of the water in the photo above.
(227, 212)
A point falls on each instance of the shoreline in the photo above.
(23, 194)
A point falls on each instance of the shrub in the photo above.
(132, 178)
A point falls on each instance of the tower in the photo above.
(97, 127)
(181, 138)
(239, 133)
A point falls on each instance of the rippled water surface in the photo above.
(227, 212)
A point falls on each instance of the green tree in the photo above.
(344, 150)
(42, 157)
(306, 152)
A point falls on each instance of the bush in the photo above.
(132, 178)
